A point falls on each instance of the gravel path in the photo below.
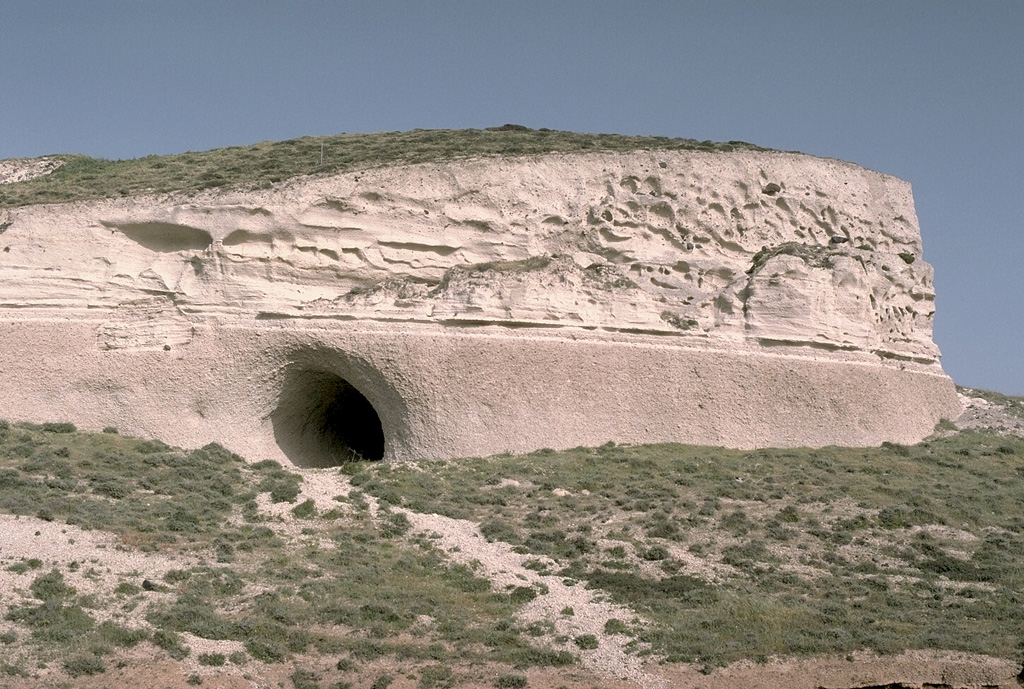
(100, 560)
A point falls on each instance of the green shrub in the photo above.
(305, 510)
(77, 666)
(59, 427)
(212, 659)
(510, 682)
(499, 530)
(587, 642)
(51, 586)
(654, 553)
(436, 677)
(122, 637)
(25, 565)
(305, 679)
(382, 682)
(395, 524)
(170, 642)
(614, 626)
(522, 594)
(52, 620)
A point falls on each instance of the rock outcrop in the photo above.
(742, 299)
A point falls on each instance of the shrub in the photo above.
(305, 509)
(58, 427)
(896, 448)
(587, 642)
(52, 620)
(436, 677)
(305, 679)
(212, 659)
(51, 586)
(499, 530)
(25, 565)
(382, 682)
(84, 665)
(510, 682)
(170, 642)
(614, 626)
(522, 594)
(654, 553)
(396, 524)
(123, 637)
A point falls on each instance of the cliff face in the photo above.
(579, 267)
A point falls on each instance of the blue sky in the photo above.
(931, 91)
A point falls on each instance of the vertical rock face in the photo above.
(740, 299)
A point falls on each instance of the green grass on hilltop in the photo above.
(264, 164)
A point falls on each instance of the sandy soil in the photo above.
(23, 169)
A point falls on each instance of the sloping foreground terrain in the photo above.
(129, 563)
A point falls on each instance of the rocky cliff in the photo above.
(442, 309)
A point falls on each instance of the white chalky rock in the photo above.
(439, 310)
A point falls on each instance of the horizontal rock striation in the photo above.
(733, 298)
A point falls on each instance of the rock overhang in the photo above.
(464, 301)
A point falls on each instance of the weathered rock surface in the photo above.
(742, 299)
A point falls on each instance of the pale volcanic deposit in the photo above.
(473, 307)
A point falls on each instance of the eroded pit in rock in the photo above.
(323, 420)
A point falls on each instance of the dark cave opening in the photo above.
(322, 420)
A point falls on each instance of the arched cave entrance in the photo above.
(322, 420)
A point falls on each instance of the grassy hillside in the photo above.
(263, 164)
(729, 555)
(720, 555)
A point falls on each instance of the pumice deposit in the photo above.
(470, 307)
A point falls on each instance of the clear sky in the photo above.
(928, 90)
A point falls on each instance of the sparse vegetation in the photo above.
(718, 554)
(267, 163)
(84, 665)
(1011, 405)
(511, 682)
(910, 538)
(212, 659)
(369, 587)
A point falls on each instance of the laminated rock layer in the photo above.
(438, 310)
